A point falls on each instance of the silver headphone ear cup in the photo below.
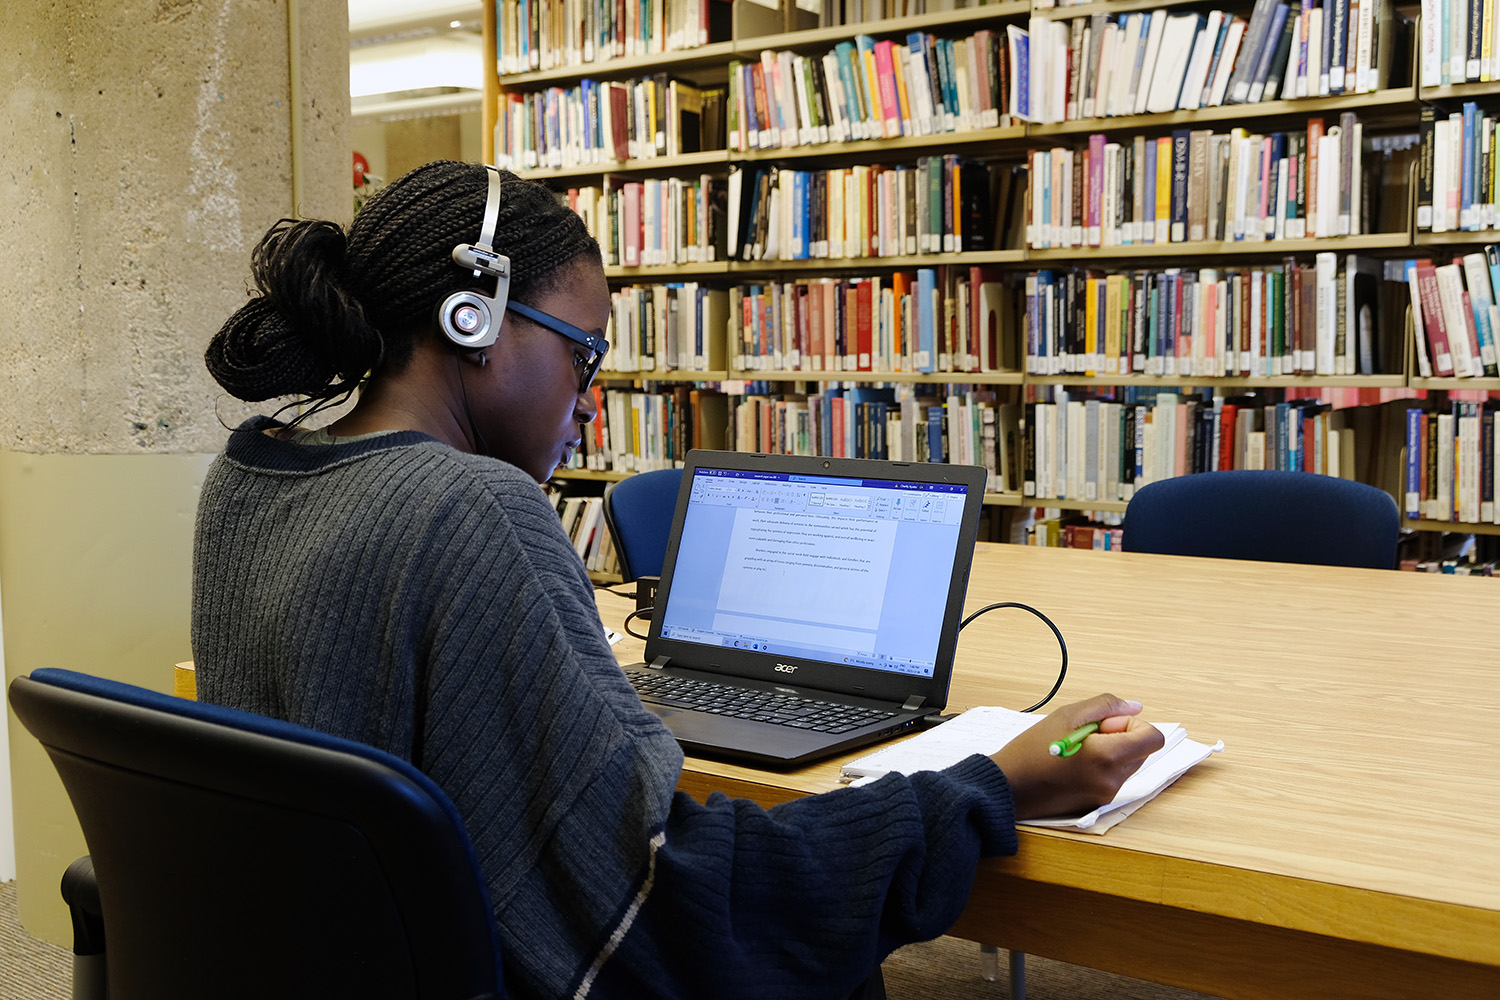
(466, 320)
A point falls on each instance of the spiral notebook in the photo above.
(985, 730)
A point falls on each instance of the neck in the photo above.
(424, 396)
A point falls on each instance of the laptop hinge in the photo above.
(659, 662)
(913, 703)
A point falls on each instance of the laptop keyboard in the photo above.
(759, 706)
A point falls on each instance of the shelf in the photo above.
(1112, 506)
(1228, 248)
(669, 272)
(650, 164)
(1229, 381)
(923, 378)
(825, 37)
(665, 375)
(967, 258)
(1420, 524)
(1394, 99)
(605, 578)
(1451, 384)
(606, 476)
(866, 147)
(1067, 13)
(1460, 91)
(1457, 237)
(704, 55)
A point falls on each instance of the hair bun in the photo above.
(305, 332)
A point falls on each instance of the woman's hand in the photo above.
(1044, 785)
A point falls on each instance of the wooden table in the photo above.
(1346, 844)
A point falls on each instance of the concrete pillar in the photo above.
(145, 146)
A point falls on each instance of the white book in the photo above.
(1325, 312)
(1120, 96)
(1364, 75)
(1450, 295)
(1141, 28)
(1176, 49)
(1317, 80)
(1107, 52)
(1226, 62)
(1057, 92)
(1148, 63)
(1197, 71)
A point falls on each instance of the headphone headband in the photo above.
(471, 319)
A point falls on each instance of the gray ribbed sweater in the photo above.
(398, 592)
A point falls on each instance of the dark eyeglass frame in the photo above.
(596, 344)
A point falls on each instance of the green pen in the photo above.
(1069, 744)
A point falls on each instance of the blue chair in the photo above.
(639, 512)
(1275, 516)
(240, 856)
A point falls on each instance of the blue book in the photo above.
(853, 89)
(935, 434)
(950, 79)
(1263, 62)
(1412, 505)
(801, 214)
(1148, 199)
(1470, 150)
(1022, 71)
(926, 319)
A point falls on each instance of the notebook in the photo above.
(807, 605)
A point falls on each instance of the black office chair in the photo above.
(241, 856)
(1274, 516)
(639, 512)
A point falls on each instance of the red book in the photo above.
(837, 406)
(1228, 417)
(1432, 318)
(1314, 133)
(864, 323)
(631, 228)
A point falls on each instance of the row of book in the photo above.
(1454, 311)
(940, 204)
(547, 34)
(968, 428)
(945, 319)
(655, 222)
(606, 122)
(869, 89)
(1456, 184)
(583, 520)
(1100, 449)
(638, 430)
(1460, 42)
(1196, 185)
(1070, 530)
(1163, 60)
(671, 327)
(1450, 464)
(1288, 318)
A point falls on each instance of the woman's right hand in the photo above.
(1044, 785)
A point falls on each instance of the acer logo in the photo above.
(786, 668)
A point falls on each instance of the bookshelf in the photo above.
(1392, 98)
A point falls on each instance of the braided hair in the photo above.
(331, 308)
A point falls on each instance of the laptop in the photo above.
(807, 605)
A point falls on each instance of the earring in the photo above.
(483, 360)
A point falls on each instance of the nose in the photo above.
(587, 408)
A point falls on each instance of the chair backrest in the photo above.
(639, 512)
(241, 856)
(1270, 515)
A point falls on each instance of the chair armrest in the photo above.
(81, 892)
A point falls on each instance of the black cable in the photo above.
(637, 613)
(1062, 671)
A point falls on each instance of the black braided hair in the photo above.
(333, 307)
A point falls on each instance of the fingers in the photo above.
(1102, 708)
(1135, 740)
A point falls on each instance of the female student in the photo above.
(399, 578)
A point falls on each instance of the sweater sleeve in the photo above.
(664, 896)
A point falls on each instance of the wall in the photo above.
(149, 144)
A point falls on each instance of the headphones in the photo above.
(469, 319)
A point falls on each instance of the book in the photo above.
(987, 729)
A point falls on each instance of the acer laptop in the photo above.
(807, 605)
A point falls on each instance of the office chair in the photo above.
(1275, 516)
(639, 512)
(241, 856)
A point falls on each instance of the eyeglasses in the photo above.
(596, 345)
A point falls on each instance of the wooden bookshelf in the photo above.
(1395, 107)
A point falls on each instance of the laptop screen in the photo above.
(847, 571)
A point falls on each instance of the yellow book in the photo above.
(1090, 323)
(1114, 285)
(1164, 189)
(899, 55)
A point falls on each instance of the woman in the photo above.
(399, 578)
